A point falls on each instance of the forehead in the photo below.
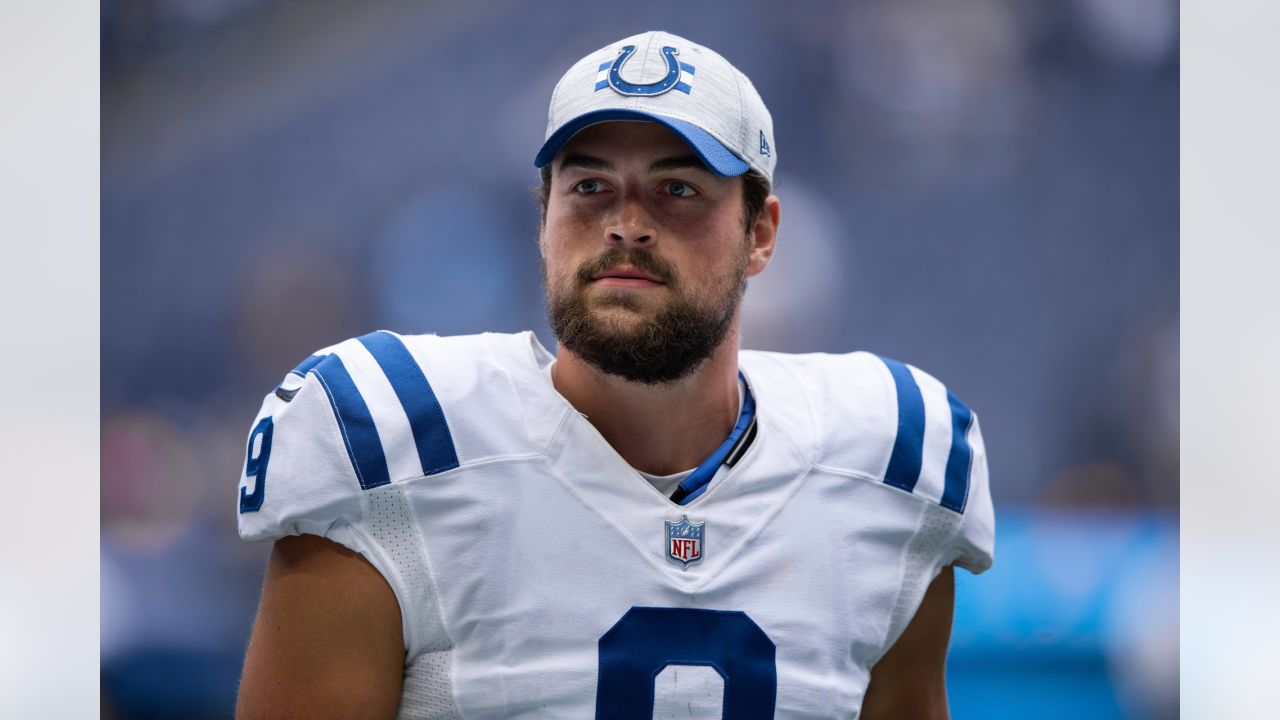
(620, 141)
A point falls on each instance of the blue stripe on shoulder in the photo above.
(908, 447)
(360, 435)
(430, 429)
(960, 460)
(305, 366)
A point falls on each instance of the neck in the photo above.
(663, 428)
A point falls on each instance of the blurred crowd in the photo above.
(988, 190)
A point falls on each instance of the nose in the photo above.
(631, 226)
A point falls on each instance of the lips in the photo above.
(627, 269)
(626, 273)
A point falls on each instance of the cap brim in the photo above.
(718, 158)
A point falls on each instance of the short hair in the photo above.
(755, 190)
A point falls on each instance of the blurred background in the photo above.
(988, 190)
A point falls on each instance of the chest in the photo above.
(771, 596)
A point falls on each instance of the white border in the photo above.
(1230, 358)
(49, 421)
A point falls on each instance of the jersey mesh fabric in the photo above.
(921, 562)
(427, 693)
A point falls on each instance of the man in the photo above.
(650, 522)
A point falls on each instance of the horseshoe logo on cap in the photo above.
(623, 87)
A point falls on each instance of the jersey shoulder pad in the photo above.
(494, 392)
(834, 402)
(370, 411)
(892, 423)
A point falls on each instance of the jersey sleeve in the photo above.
(299, 474)
(938, 456)
(914, 435)
(377, 410)
(338, 446)
(898, 427)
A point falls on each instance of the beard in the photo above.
(663, 346)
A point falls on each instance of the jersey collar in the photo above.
(728, 453)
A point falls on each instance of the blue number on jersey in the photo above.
(647, 639)
(255, 466)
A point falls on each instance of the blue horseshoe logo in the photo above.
(656, 88)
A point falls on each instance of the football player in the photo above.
(648, 523)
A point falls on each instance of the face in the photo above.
(645, 255)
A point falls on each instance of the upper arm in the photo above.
(327, 642)
(910, 680)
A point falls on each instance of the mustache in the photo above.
(640, 259)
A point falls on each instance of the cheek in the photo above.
(553, 270)
(716, 256)
(568, 220)
(566, 237)
(557, 261)
(714, 231)
(720, 280)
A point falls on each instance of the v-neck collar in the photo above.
(735, 507)
(696, 484)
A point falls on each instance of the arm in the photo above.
(910, 680)
(327, 642)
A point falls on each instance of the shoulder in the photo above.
(879, 420)
(423, 396)
(812, 394)
(378, 409)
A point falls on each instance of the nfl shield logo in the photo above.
(684, 541)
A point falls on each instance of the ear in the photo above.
(764, 235)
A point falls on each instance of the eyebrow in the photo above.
(591, 162)
(586, 162)
(680, 162)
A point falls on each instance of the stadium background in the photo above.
(988, 190)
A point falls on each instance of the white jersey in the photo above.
(540, 576)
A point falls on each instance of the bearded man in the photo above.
(649, 521)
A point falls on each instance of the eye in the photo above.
(588, 187)
(680, 189)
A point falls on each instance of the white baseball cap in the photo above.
(663, 78)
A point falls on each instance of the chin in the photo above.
(621, 321)
(613, 303)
